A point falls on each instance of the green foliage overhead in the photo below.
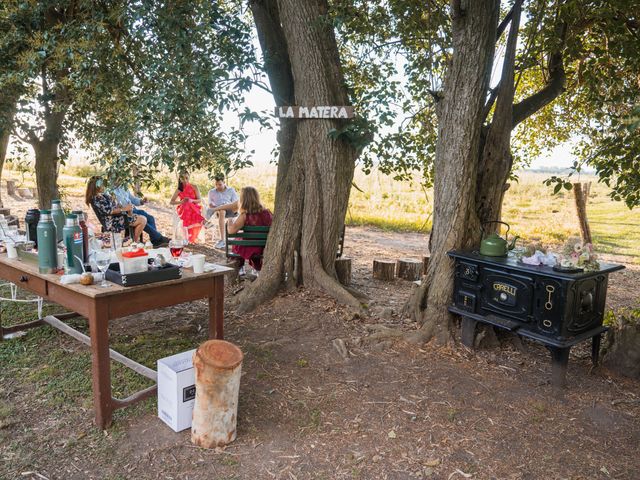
(396, 55)
(143, 83)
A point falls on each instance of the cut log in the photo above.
(25, 192)
(384, 269)
(409, 269)
(11, 187)
(217, 367)
(343, 270)
(425, 264)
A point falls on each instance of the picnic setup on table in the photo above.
(103, 277)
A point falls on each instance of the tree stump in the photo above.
(384, 269)
(11, 187)
(409, 269)
(217, 367)
(425, 264)
(343, 270)
(25, 192)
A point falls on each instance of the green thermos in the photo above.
(47, 244)
(72, 239)
(58, 218)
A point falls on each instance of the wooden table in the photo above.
(100, 305)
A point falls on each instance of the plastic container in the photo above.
(134, 262)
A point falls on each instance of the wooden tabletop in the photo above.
(95, 291)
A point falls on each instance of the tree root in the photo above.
(333, 288)
(263, 289)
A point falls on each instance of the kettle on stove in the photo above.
(494, 245)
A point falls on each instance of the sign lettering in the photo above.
(345, 111)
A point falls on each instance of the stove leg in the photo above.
(559, 362)
(468, 331)
(595, 349)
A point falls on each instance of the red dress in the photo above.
(254, 254)
(190, 213)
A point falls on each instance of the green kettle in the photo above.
(494, 245)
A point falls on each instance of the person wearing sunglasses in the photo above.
(111, 216)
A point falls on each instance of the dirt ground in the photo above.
(386, 411)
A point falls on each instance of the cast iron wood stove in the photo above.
(557, 309)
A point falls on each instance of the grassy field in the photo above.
(377, 200)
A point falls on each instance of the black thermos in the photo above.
(31, 223)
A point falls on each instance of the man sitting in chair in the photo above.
(223, 202)
(125, 197)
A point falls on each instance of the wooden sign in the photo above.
(315, 112)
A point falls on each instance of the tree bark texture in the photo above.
(409, 269)
(7, 113)
(4, 145)
(384, 270)
(46, 172)
(343, 270)
(314, 171)
(581, 196)
(456, 164)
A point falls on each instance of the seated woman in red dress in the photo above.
(189, 209)
(253, 213)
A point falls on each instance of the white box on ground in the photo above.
(176, 390)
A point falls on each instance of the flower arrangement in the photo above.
(576, 254)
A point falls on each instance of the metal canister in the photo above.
(31, 224)
(72, 239)
(82, 221)
(47, 243)
(58, 218)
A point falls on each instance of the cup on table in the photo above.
(12, 251)
(197, 261)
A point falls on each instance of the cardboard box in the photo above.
(176, 390)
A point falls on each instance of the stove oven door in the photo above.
(549, 306)
(507, 293)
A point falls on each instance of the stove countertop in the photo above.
(513, 263)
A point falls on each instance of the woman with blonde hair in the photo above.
(109, 213)
(189, 208)
(252, 213)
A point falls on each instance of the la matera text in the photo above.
(315, 112)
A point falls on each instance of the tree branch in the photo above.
(554, 87)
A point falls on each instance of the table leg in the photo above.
(595, 349)
(101, 366)
(559, 362)
(216, 309)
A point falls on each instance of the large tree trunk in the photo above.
(460, 121)
(314, 171)
(46, 153)
(472, 162)
(5, 134)
(7, 114)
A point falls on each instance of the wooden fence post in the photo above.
(581, 195)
